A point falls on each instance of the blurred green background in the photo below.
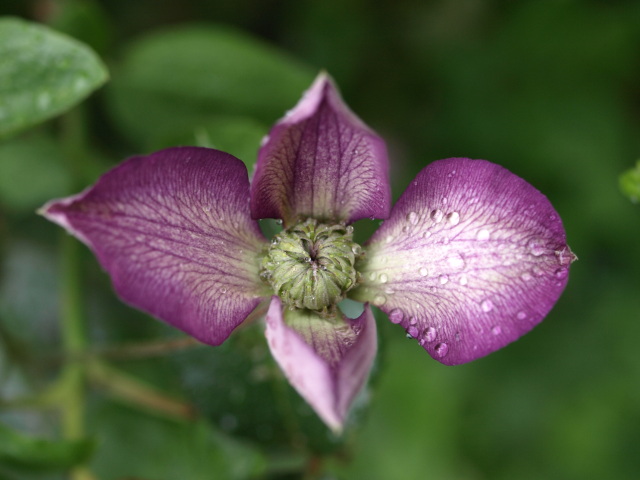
(549, 89)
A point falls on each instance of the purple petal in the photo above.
(321, 161)
(471, 258)
(326, 360)
(174, 232)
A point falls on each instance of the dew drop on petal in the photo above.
(453, 218)
(496, 330)
(483, 234)
(412, 217)
(536, 247)
(423, 272)
(456, 261)
(463, 280)
(441, 349)
(561, 272)
(444, 279)
(413, 321)
(429, 334)
(389, 239)
(521, 315)
(384, 278)
(396, 315)
(487, 306)
(426, 234)
(372, 276)
(437, 215)
(413, 331)
(526, 276)
(379, 300)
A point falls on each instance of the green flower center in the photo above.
(311, 265)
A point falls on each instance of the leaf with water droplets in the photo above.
(42, 74)
(474, 272)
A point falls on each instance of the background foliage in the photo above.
(547, 88)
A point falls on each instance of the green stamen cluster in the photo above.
(311, 265)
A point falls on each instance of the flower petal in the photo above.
(472, 258)
(321, 161)
(173, 230)
(326, 361)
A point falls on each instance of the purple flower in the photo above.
(470, 258)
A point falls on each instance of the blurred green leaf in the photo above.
(40, 454)
(630, 183)
(42, 74)
(31, 172)
(158, 448)
(175, 82)
(239, 136)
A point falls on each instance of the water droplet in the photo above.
(379, 300)
(396, 315)
(526, 276)
(424, 272)
(561, 272)
(412, 217)
(445, 200)
(483, 234)
(413, 331)
(413, 321)
(487, 306)
(384, 278)
(389, 239)
(372, 276)
(429, 334)
(463, 280)
(538, 271)
(536, 247)
(349, 229)
(496, 330)
(441, 349)
(453, 218)
(456, 261)
(521, 315)
(444, 279)
(223, 290)
(426, 234)
(437, 215)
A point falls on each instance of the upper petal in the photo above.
(471, 258)
(174, 232)
(326, 360)
(321, 161)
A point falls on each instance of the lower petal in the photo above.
(326, 360)
(173, 230)
(471, 258)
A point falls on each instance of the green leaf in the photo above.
(42, 74)
(135, 445)
(39, 454)
(239, 136)
(630, 183)
(32, 171)
(178, 81)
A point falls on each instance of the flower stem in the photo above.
(73, 340)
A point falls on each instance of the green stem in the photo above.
(73, 338)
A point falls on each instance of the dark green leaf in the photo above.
(39, 454)
(175, 82)
(42, 74)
